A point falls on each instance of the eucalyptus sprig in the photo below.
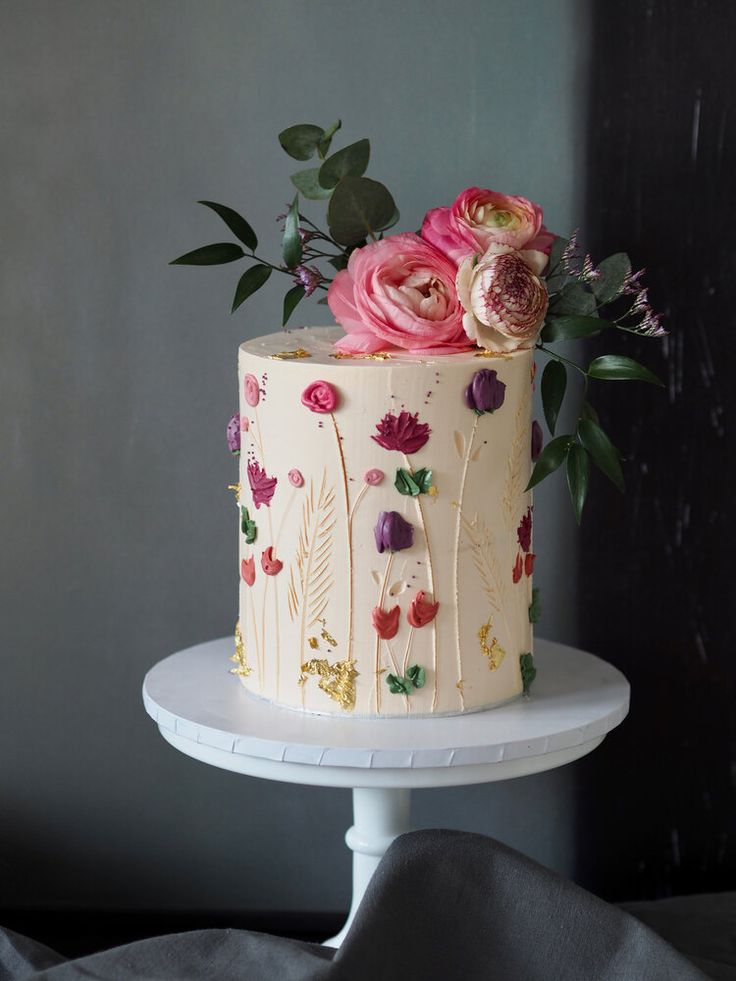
(358, 209)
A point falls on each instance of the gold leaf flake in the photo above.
(336, 680)
(326, 635)
(491, 354)
(294, 355)
(242, 669)
(236, 488)
(459, 685)
(313, 643)
(493, 651)
(433, 492)
(377, 356)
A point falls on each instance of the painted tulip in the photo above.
(392, 532)
(248, 570)
(529, 563)
(386, 622)
(485, 393)
(421, 610)
(269, 564)
(518, 570)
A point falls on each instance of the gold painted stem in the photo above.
(350, 536)
(381, 597)
(395, 666)
(457, 558)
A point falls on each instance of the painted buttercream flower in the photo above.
(398, 292)
(478, 218)
(537, 440)
(504, 299)
(524, 531)
(269, 564)
(485, 393)
(374, 476)
(262, 486)
(403, 432)
(518, 570)
(393, 532)
(251, 390)
(386, 622)
(295, 478)
(421, 610)
(529, 563)
(248, 570)
(233, 434)
(320, 396)
(244, 424)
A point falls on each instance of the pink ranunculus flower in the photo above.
(262, 486)
(479, 217)
(320, 396)
(398, 292)
(251, 390)
(504, 299)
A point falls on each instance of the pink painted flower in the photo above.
(386, 622)
(269, 564)
(518, 570)
(320, 396)
(251, 390)
(504, 299)
(248, 570)
(403, 432)
(262, 486)
(398, 292)
(479, 218)
(374, 476)
(421, 610)
(295, 478)
(244, 424)
(529, 563)
(524, 531)
(233, 434)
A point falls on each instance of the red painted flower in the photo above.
(421, 610)
(262, 486)
(403, 432)
(386, 622)
(320, 396)
(269, 564)
(248, 570)
(518, 570)
(524, 531)
(529, 563)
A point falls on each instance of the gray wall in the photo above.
(117, 375)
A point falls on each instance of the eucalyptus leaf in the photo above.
(301, 141)
(351, 161)
(417, 675)
(569, 328)
(251, 280)
(613, 273)
(575, 298)
(588, 412)
(295, 294)
(553, 386)
(528, 671)
(358, 208)
(306, 182)
(578, 472)
(551, 457)
(405, 483)
(291, 246)
(535, 607)
(604, 453)
(210, 255)
(235, 222)
(617, 367)
(323, 147)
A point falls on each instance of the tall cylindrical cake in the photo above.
(385, 533)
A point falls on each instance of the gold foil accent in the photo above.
(326, 635)
(238, 658)
(377, 356)
(236, 488)
(313, 643)
(294, 355)
(491, 354)
(493, 651)
(336, 680)
(433, 491)
(459, 685)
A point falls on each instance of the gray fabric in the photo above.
(442, 905)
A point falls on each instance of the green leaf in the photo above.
(235, 222)
(251, 280)
(210, 255)
(323, 147)
(555, 253)
(413, 484)
(358, 208)
(613, 272)
(393, 220)
(339, 262)
(535, 607)
(295, 294)
(569, 328)
(588, 412)
(575, 298)
(578, 471)
(554, 384)
(301, 141)
(549, 460)
(423, 477)
(291, 246)
(398, 685)
(616, 367)
(351, 161)
(417, 675)
(306, 182)
(247, 526)
(604, 453)
(528, 671)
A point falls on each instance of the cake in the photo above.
(385, 532)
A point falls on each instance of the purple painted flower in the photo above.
(403, 432)
(233, 434)
(485, 393)
(261, 485)
(524, 531)
(537, 440)
(393, 532)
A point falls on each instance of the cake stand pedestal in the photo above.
(206, 713)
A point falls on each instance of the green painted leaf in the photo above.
(613, 272)
(578, 472)
(210, 255)
(604, 453)
(358, 208)
(306, 182)
(251, 280)
(551, 457)
(528, 671)
(398, 685)
(569, 328)
(423, 478)
(291, 246)
(575, 298)
(553, 386)
(417, 675)
(413, 484)
(535, 607)
(351, 161)
(323, 147)
(247, 526)
(301, 141)
(616, 367)
(295, 294)
(235, 222)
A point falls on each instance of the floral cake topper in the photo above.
(482, 273)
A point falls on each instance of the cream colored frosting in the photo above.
(311, 623)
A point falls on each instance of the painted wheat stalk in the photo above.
(519, 453)
(485, 560)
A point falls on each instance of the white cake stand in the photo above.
(206, 713)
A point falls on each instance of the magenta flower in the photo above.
(524, 531)
(373, 476)
(320, 396)
(403, 432)
(485, 393)
(393, 532)
(233, 434)
(261, 485)
(537, 440)
(251, 390)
